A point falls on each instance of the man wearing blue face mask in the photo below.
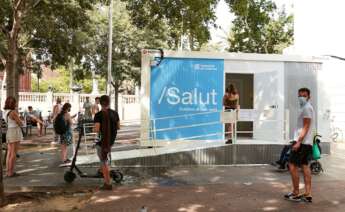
(301, 153)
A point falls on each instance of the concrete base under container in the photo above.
(198, 153)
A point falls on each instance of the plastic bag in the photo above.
(316, 152)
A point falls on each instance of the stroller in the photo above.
(315, 165)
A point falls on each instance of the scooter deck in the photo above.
(65, 165)
(86, 175)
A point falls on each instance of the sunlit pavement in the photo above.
(204, 188)
(217, 197)
(226, 188)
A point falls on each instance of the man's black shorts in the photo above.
(302, 156)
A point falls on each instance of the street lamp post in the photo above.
(71, 75)
(181, 37)
(110, 45)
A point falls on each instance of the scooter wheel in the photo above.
(116, 175)
(69, 177)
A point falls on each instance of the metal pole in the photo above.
(110, 47)
(71, 66)
(181, 44)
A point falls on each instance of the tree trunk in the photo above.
(116, 91)
(3, 62)
(11, 61)
(11, 67)
(16, 84)
(2, 194)
(12, 80)
(191, 42)
(12, 83)
(38, 84)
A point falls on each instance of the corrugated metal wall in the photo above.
(298, 75)
(223, 155)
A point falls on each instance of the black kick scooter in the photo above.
(70, 176)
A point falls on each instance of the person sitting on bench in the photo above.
(34, 119)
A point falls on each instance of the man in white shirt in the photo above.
(96, 107)
(301, 153)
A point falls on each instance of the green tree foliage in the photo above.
(191, 18)
(55, 30)
(62, 81)
(58, 32)
(128, 40)
(259, 27)
(59, 84)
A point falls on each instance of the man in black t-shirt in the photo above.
(114, 124)
(106, 124)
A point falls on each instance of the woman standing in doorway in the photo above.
(14, 134)
(231, 101)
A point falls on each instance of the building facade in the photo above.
(24, 81)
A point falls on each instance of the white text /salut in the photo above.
(174, 96)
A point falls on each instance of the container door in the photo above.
(269, 106)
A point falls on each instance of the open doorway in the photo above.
(245, 86)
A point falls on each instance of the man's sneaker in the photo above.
(307, 198)
(229, 141)
(293, 197)
(106, 187)
(282, 168)
(99, 173)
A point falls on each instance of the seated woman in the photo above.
(35, 120)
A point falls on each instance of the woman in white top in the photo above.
(14, 134)
(56, 110)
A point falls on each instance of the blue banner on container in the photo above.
(186, 97)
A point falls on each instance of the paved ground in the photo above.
(219, 188)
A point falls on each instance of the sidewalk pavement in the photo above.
(217, 197)
(203, 188)
(226, 188)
